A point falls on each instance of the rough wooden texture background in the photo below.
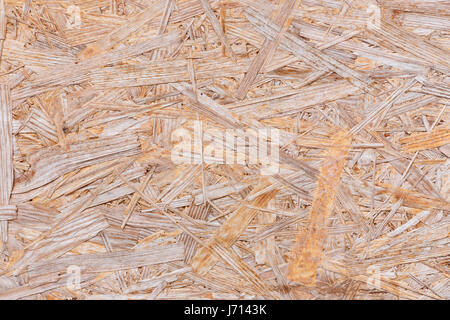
(224, 149)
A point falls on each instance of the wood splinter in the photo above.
(307, 253)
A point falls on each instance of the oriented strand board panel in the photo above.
(224, 149)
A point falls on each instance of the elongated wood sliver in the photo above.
(307, 252)
(230, 231)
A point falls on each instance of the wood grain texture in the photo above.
(224, 149)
